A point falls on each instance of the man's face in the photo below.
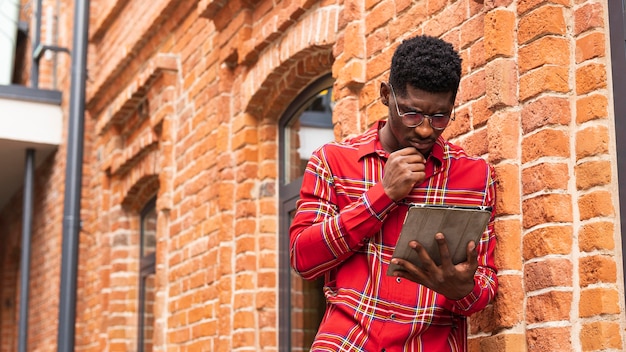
(407, 124)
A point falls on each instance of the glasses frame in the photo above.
(404, 116)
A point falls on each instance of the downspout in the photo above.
(27, 207)
(27, 224)
(34, 67)
(73, 179)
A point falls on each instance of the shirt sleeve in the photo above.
(485, 278)
(324, 232)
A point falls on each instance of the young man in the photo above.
(353, 201)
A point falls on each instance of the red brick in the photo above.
(596, 204)
(499, 34)
(549, 339)
(480, 112)
(509, 310)
(590, 77)
(355, 47)
(353, 74)
(592, 174)
(503, 135)
(601, 335)
(547, 240)
(544, 51)
(591, 107)
(243, 338)
(525, 5)
(510, 342)
(549, 306)
(379, 16)
(509, 239)
(451, 16)
(590, 46)
(548, 142)
(472, 30)
(475, 56)
(596, 236)
(548, 273)
(416, 13)
(592, 141)
(545, 177)
(482, 321)
(598, 301)
(588, 16)
(460, 126)
(492, 4)
(546, 20)
(597, 269)
(379, 64)
(501, 83)
(507, 187)
(546, 208)
(476, 143)
(542, 80)
(376, 42)
(472, 87)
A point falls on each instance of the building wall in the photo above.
(183, 102)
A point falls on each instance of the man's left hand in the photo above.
(452, 281)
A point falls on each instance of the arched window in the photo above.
(305, 125)
(147, 258)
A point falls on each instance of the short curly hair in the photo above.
(426, 63)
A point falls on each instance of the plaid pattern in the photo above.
(346, 228)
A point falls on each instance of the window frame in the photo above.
(289, 192)
(617, 31)
(147, 267)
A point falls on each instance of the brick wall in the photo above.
(183, 102)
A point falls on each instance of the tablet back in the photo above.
(460, 225)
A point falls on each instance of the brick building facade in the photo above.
(189, 141)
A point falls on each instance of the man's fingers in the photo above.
(409, 155)
(444, 252)
(472, 254)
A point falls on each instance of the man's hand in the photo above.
(404, 169)
(452, 281)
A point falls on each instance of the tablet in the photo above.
(459, 224)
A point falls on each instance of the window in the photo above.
(147, 257)
(306, 125)
(617, 24)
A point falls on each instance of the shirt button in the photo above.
(392, 316)
(383, 350)
(398, 279)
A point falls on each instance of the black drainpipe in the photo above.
(27, 224)
(34, 68)
(73, 179)
(27, 206)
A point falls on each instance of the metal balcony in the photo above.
(30, 118)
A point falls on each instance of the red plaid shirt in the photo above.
(346, 228)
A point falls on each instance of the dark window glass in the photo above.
(305, 126)
(306, 129)
(146, 276)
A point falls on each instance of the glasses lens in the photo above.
(439, 121)
(412, 119)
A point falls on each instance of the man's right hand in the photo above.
(404, 169)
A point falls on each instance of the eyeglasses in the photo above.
(413, 119)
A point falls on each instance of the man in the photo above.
(353, 202)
